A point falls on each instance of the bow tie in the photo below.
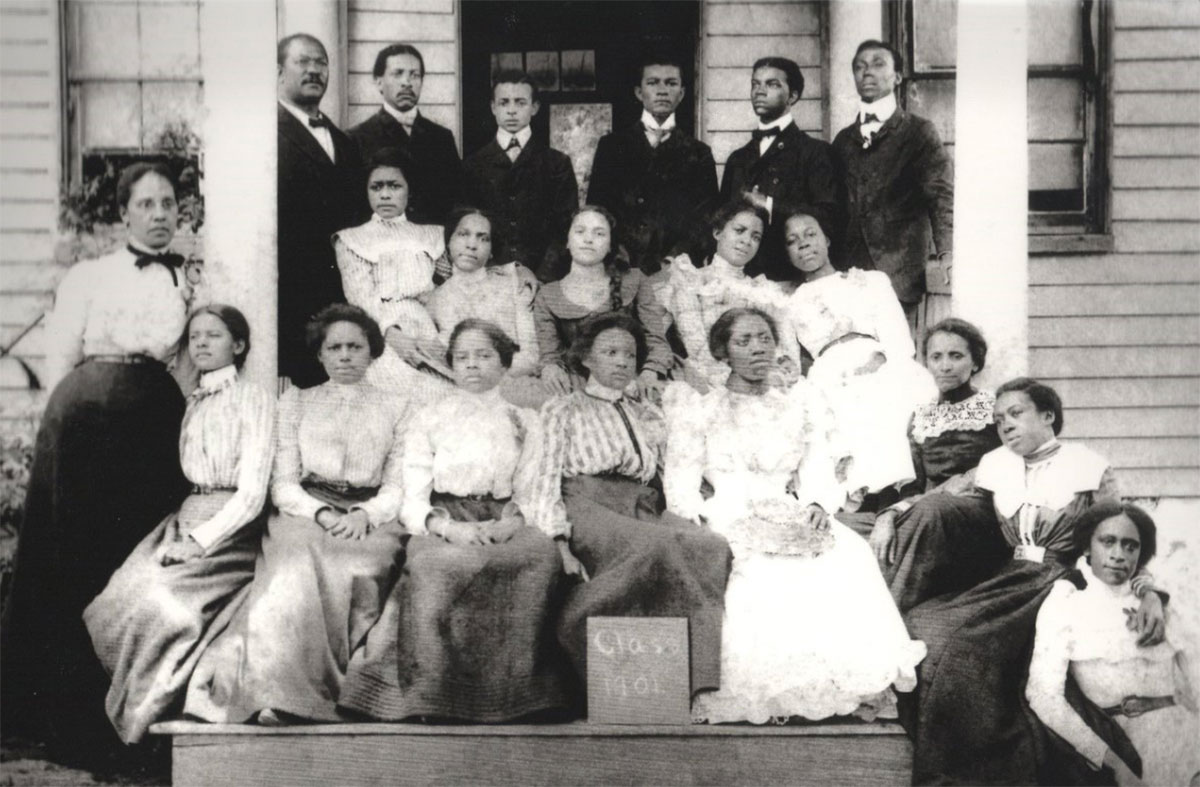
(320, 122)
(168, 259)
(761, 133)
(870, 118)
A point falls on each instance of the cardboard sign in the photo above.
(638, 671)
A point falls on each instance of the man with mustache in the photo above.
(899, 181)
(321, 190)
(436, 169)
(781, 167)
(653, 176)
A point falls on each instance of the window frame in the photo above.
(1087, 231)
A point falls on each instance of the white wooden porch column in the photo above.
(991, 183)
(850, 23)
(237, 53)
(323, 19)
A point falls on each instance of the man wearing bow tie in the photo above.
(436, 168)
(899, 183)
(781, 167)
(321, 190)
(654, 176)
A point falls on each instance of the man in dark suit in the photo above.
(899, 182)
(528, 187)
(653, 176)
(321, 190)
(436, 169)
(781, 167)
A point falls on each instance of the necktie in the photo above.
(761, 133)
(657, 135)
(168, 259)
(514, 149)
(319, 122)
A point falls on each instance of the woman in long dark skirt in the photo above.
(968, 718)
(106, 466)
(468, 631)
(599, 452)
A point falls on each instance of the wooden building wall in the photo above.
(1119, 334)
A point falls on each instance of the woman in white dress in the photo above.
(854, 328)
(697, 296)
(387, 268)
(810, 628)
(1087, 634)
(180, 585)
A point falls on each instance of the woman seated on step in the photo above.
(1084, 635)
(696, 297)
(501, 294)
(810, 629)
(1033, 490)
(600, 450)
(176, 591)
(387, 268)
(468, 631)
(332, 545)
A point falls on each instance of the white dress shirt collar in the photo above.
(218, 377)
(781, 123)
(406, 119)
(882, 109)
(503, 137)
(649, 121)
(321, 135)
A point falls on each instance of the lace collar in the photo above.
(973, 414)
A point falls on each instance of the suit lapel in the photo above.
(784, 141)
(889, 126)
(291, 128)
(393, 126)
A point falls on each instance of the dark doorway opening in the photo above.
(559, 34)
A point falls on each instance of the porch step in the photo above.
(576, 753)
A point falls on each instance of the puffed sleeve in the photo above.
(544, 507)
(890, 322)
(255, 453)
(286, 492)
(418, 471)
(684, 306)
(1048, 675)
(817, 478)
(358, 284)
(653, 318)
(685, 450)
(385, 505)
(66, 324)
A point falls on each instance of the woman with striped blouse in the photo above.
(161, 608)
(600, 449)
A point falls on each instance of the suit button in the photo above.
(775, 181)
(641, 200)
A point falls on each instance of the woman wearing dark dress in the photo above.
(599, 451)
(929, 543)
(468, 631)
(967, 717)
(106, 466)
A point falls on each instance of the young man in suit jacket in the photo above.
(436, 168)
(899, 182)
(528, 187)
(781, 167)
(654, 177)
(321, 190)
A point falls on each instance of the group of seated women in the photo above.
(491, 463)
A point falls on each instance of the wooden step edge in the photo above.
(567, 730)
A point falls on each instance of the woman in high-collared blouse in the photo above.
(387, 268)
(933, 548)
(330, 551)
(968, 688)
(471, 617)
(160, 609)
(105, 469)
(599, 450)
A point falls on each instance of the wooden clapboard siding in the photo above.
(29, 173)
(735, 34)
(1118, 335)
(432, 27)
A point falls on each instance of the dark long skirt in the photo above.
(643, 562)
(467, 632)
(105, 472)
(152, 622)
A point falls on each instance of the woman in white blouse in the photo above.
(810, 628)
(470, 621)
(387, 268)
(166, 602)
(106, 465)
(329, 555)
(1087, 633)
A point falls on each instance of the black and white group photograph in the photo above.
(599, 392)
